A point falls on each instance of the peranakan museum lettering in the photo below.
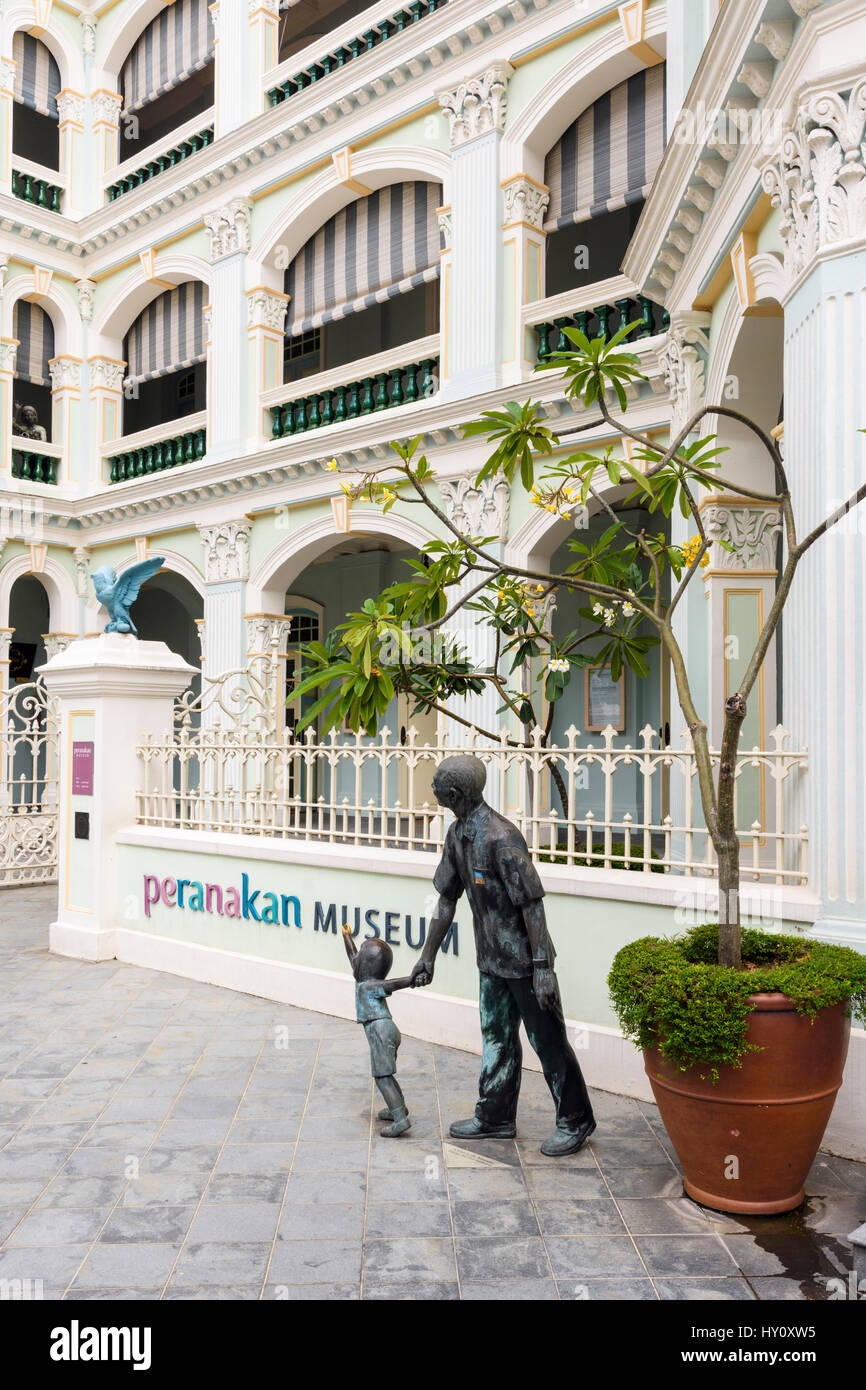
(284, 910)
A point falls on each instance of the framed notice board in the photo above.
(603, 699)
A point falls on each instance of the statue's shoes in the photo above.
(567, 1141)
(399, 1126)
(477, 1129)
(386, 1114)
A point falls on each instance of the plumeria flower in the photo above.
(598, 609)
(629, 610)
(558, 665)
(609, 617)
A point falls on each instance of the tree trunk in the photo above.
(726, 844)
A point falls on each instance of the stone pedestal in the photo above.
(113, 690)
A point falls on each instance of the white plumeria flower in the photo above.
(629, 610)
(558, 665)
(597, 609)
(609, 617)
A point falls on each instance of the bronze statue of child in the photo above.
(370, 965)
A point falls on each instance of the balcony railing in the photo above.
(602, 322)
(153, 451)
(166, 159)
(346, 49)
(398, 377)
(34, 461)
(33, 184)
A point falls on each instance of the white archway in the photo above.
(69, 57)
(57, 302)
(275, 575)
(137, 291)
(601, 66)
(58, 584)
(746, 372)
(324, 196)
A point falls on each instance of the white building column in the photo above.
(226, 570)
(524, 206)
(236, 99)
(266, 319)
(817, 181)
(228, 376)
(476, 510)
(472, 308)
(71, 108)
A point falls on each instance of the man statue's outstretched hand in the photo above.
(422, 973)
(545, 988)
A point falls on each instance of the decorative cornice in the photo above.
(477, 509)
(478, 106)
(525, 201)
(266, 309)
(751, 531)
(818, 179)
(229, 228)
(226, 550)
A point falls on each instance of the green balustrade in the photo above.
(609, 317)
(179, 152)
(157, 457)
(39, 192)
(34, 467)
(380, 392)
(354, 48)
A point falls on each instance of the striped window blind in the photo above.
(609, 156)
(37, 76)
(35, 333)
(378, 247)
(168, 334)
(174, 45)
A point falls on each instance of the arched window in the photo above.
(599, 173)
(367, 281)
(168, 76)
(35, 135)
(165, 351)
(35, 333)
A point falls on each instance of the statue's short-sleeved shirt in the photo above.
(371, 1001)
(487, 857)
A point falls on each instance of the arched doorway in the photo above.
(29, 618)
(167, 610)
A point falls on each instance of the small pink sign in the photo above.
(82, 769)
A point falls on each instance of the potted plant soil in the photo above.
(744, 1063)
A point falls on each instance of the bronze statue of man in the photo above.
(486, 857)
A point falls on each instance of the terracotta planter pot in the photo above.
(769, 1116)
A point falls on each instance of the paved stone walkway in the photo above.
(165, 1139)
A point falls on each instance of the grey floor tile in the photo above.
(489, 1257)
(656, 1181)
(222, 1262)
(157, 1189)
(156, 1222)
(685, 1255)
(55, 1265)
(326, 1187)
(212, 1293)
(486, 1185)
(129, 1264)
(270, 1159)
(321, 1293)
(567, 1217)
(654, 1216)
(702, 1290)
(392, 1220)
(509, 1291)
(59, 1226)
(82, 1192)
(593, 1256)
(410, 1291)
(494, 1218)
(607, 1290)
(326, 1221)
(257, 1187)
(162, 1158)
(410, 1258)
(316, 1262)
(222, 1221)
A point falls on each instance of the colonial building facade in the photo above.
(241, 240)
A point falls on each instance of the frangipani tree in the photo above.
(633, 581)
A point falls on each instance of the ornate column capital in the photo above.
(226, 550)
(477, 509)
(479, 105)
(266, 309)
(8, 68)
(683, 361)
(818, 178)
(8, 353)
(65, 371)
(106, 372)
(229, 228)
(106, 107)
(70, 107)
(266, 633)
(86, 290)
(56, 642)
(445, 222)
(525, 201)
(751, 531)
(6, 633)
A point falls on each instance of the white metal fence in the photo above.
(29, 731)
(229, 765)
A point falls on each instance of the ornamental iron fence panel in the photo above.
(29, 741)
